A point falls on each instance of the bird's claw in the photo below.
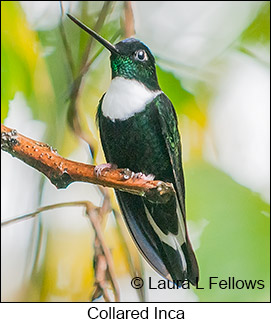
(140, 175)
(128, 174)
(100, 168)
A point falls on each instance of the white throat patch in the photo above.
(126, 97)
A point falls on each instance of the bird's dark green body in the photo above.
(139, 130)
(137, 143)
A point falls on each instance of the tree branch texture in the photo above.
(62, 172)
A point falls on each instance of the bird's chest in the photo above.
(129, 128)
(135, 143)
(125, 98)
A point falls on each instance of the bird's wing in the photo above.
(169, 127)
(167, 118)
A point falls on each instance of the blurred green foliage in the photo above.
(236, 241)
(183, 101)
(18, 57)
(259, 30)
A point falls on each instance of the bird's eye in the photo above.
(141, 55)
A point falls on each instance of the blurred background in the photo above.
(213, 62)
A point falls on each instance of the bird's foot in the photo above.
(100, 168)
(140, 175)
(128, 174)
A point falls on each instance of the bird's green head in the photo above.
(135, 61)
(130, 58)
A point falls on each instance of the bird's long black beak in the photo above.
(100, 39)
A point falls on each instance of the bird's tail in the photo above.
(185, 266)
(181, 262)
(192, 264)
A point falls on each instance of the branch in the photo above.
(129, 19)
(73, 115)
(104, 268)
(103, 262)
(67, 48)
(62, 172)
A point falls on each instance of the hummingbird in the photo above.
(139, 130)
